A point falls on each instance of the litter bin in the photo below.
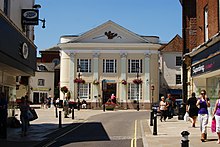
(181, 111)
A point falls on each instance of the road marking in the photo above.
(134, 140)
(54, 140)
(144, 139)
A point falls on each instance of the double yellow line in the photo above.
(134, 139)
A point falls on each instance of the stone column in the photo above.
(64, 71)
(95, 76)
(72, 75)
(146, 84)
(123, 88)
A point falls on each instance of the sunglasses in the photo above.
(202, 93)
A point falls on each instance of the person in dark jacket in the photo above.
(192, 109)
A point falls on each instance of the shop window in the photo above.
(109, 66)
(134, 66)
(132, 91)
(41, 82)
(84, 65)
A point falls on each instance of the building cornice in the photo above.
(110, 46)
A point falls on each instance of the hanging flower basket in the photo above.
(95, 82)
(79, 80)
(64, 89)
(124, 82)
(109, 105)
(137, 81)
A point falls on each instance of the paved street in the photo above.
(110, 128)
(118, 128)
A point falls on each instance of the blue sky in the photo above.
(162, 18)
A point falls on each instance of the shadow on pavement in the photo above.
(77, 132)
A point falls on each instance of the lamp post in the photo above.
(78, 100)
(138, 108)
(152, 112)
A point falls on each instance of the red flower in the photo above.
(79, 80)
(137, 81)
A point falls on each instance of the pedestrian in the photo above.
(24, 108)
(42, 102)
(216, 116)
(113, 98)
(84, 104)
(66, 107)
(170, 105)
(203, 103)
(57, 102)
(163, 109)
(192, 109)
(49, 101)
(3, 116)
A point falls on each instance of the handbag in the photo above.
(29, 115)
(35, 116)
(213, 125)
(186, 117)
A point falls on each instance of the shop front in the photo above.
(205, 72)
(18, 58)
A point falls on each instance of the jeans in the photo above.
(24, 125)
(217, 118)
(203, 121)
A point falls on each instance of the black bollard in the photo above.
(56, 112)
(155, 124)
(151, 117)
(104, 107)
(72, 112)
(60, 120)
(185, 141)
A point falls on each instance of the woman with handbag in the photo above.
(216, 116)
(24, 108)
(203, 103)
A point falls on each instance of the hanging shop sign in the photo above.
(29, 16)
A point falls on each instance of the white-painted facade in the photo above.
(42, 84)
(117, 58)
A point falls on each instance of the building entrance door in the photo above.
(111, 89)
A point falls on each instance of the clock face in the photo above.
(24, 50)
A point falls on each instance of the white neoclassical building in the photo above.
(112, 54)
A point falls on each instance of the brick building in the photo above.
(202, 66)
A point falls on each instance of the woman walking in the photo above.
(192, 109)
(203, 103)
(24, 107)
(163, 109)
(216, 116)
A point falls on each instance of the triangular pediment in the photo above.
(109, 32)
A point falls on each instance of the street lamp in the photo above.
(78, 101)
(138, 108)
